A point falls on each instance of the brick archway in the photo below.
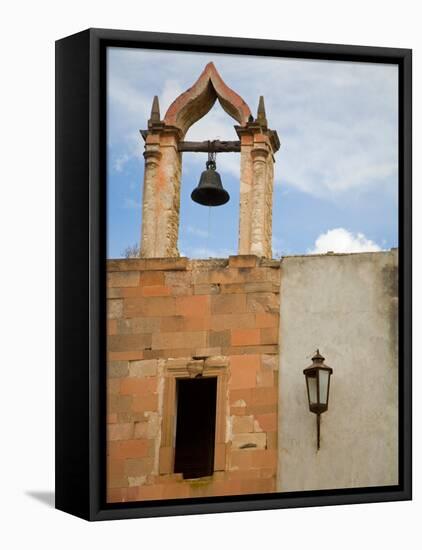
(197, 101)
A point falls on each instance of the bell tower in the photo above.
(164, 146)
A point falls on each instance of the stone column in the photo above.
(246, 182)
(259, 244)
(161, 195)
(268, 231)
(167, 191)
(148, 235)
(257, 147)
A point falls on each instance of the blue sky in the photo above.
(336, 172)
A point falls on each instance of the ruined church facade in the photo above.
(205, 391)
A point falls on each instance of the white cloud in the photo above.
(120, 162)
(341, 240)
(197, 231)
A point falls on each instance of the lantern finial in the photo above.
(318, 358)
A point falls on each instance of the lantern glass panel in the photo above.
(324, 376)
(312, 388)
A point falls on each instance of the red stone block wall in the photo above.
(170, 318)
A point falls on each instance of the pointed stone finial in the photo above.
(155, 110)
(261, 115)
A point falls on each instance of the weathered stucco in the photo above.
(345, 305)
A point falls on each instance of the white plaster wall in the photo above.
(345, 305)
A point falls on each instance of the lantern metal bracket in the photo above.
(318, 424)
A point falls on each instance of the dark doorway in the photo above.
(195, 428)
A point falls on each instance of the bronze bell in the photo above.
(210, 190)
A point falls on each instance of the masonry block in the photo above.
(265, 396)
(159, 306)
(123, 278)
(152, 278)
(166, 264)
(265, 378)
(228, 303)
(119, 403)
(140, 430)
(268, 422)
(113, 386)
(143, 368)
(117, 369)
(144, 403)
(242, 424)
(139, 466)
(245, 337)
(114, 309)
(249, 441)
(111, 326)
(267, 320)
(269, 336)
(125, 355)
(133, 342)
(232, 321)
(175, 340)
(192, 306)
(138, 386)
(245, 260)
(117, 432)
(132, 448)
(156, 290)
(207, 289)
(197, 323)
(270, 362)
(243, 372)
(219, 338)
(263, 302)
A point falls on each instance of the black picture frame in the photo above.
(81, 270)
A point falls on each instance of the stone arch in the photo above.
(198, 100)
(163, 167)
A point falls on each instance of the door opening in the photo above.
(195, 427)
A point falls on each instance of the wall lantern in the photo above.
(318, 385)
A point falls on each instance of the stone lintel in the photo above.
(148, 264)
(194, 366)
(186, 264)
(243, 260)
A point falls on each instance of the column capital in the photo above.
(152, 156)
(254, 132)
(260, 153)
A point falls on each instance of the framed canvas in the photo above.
(233, 276)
